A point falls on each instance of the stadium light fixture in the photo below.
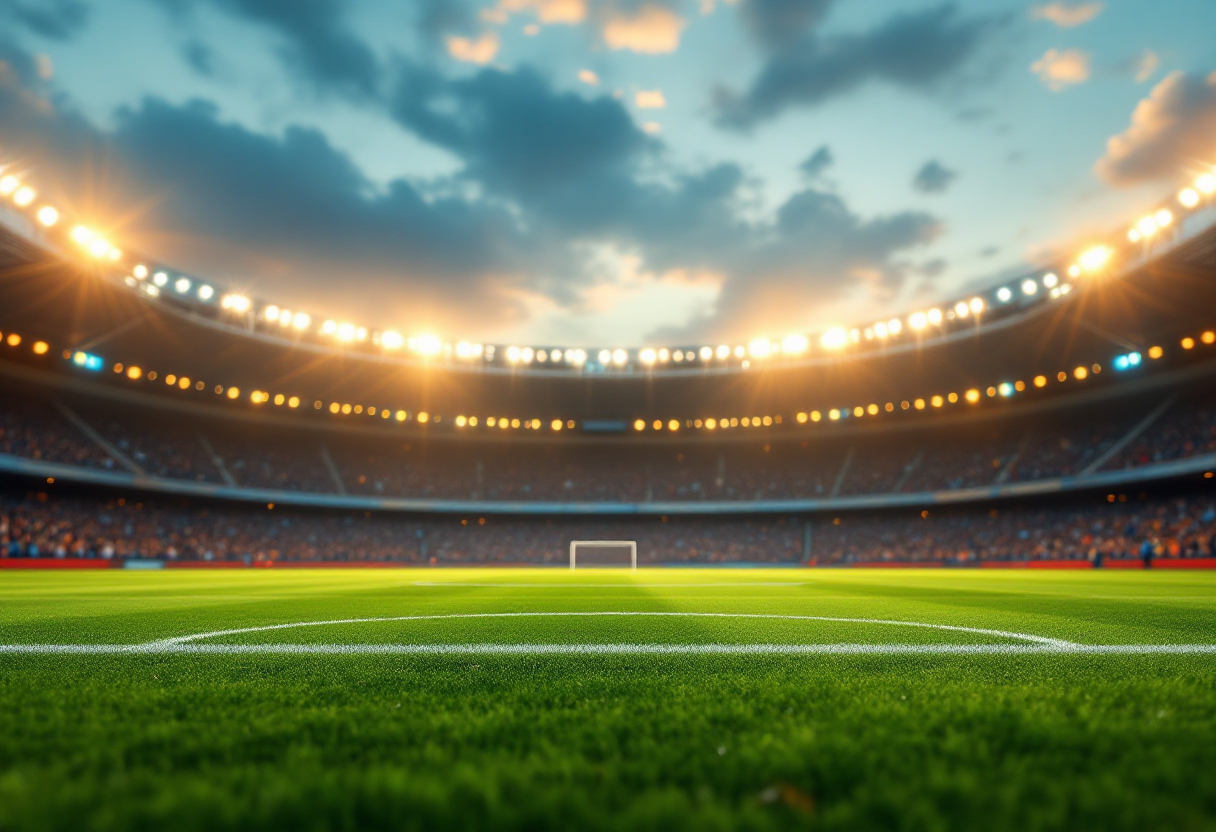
(836, 338)
(235, 303)
(918, 321)
(285, 318)
(972, 396)
(205, 292)
(1029, 287)
(9, 184)
(271, 313)
(976, 305)
(1164, 218)
(301, 321)
(706, 353)
(392, 340)
(619, 357)
(513, 354)
(895, 326)
(880, 330)
(140, 271)
(1206, 183)
(1004, 295)
(1147, 226)
(1133, 235)
(664, 355)
(796, 344)
(647, 356)
(330, 327)
(48, 216)
(426, 345)
(1188, 197)
(346, 332)
(934, 316)
(759, 348)
(1050, 280)
(1094, 259)
(605, 357)
(24, 196)
(723, 351)
(961, 309)
(526, 355)
(182, 285)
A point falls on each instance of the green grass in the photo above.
(334, 742)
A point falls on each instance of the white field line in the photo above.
(1029, 644)
(472, 615)
(559, 585)
(162, 648)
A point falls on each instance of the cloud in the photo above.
(317, 43)
(778, 24)
(1172, 129)
(650, 100)
(933, 178)
(566, 12)
(652, 128)
(588, 77)
(1143, 66)
(814, 165)
(54, 19)
(914, 50)
(200, 58)
(650, 30)
(1066, 15)
(817, 251)
(1058, 70)
(479, 50)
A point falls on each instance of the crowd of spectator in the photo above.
(45, 525)
(769, 467)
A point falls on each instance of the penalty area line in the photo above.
(170, 648)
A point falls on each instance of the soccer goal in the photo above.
(604, 553)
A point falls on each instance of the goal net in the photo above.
(586, 553)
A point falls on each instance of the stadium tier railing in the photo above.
(55, 471)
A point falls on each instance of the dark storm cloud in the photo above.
(818, 162)
(56, 19)
(316, 40)
(915, 50)
(933, 178)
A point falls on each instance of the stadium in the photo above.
(268, 564)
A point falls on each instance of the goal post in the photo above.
(604, 546)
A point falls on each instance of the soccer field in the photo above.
(664, 699)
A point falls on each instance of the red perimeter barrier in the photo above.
(1162, 563)
(56, 563)
(1035, 564)
(892, 564)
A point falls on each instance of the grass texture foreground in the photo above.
(809, 699)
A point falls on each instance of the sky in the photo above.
(606, 172)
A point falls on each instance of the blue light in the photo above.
(1006, 389)
(1124, 362)
(87, 361)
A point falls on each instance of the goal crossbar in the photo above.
(605, 544)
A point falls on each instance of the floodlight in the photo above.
(918, 321)
(834, 339)
(1206, 184)
(1004, 295)
(647, 356)
(182, 285)
(8, 184)
(271, 313)
(205, 292)
(1029, 287)
(24, 196)
(619, 357)
(1188, 197)
(48, 216)
(392, 340)
(1050, 280)
(301, 320)
(605, 357)
(795, 344)
(977, 305)
(759, 348)
(1163, 217)
(1095, 258)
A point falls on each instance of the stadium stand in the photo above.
(153, 415)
